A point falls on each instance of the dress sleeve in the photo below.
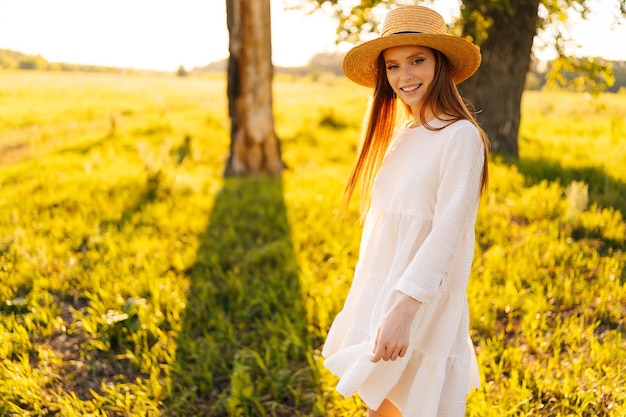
(458, 195)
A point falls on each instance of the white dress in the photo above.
(418, 239)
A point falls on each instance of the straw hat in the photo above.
(412, 25)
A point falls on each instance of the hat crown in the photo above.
(413, 19)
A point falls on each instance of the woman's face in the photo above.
(410, 72)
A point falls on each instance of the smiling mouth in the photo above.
(410, 88)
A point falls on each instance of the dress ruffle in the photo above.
(415, 381)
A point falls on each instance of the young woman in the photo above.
(402, 338)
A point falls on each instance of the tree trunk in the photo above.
(254, 147)
(496, 88)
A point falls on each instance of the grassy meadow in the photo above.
(136, 281)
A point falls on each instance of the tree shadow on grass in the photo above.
(244, 345)
(604, 189)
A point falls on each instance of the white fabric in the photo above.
(418, 238)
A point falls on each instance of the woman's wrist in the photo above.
(408, 304)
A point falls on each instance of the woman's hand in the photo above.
(392, 337)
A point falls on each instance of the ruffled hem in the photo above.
(354, 368)
(416, 381)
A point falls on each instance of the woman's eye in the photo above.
(418, 61)
(392, 66)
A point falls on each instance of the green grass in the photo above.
(136, 281)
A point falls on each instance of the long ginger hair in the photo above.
(442, 97)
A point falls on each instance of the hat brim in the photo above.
(359, 64)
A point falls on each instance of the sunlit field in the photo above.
(136, 281)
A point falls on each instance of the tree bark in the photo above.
(496, 88)
(254, 146)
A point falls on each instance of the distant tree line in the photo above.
(16, 60)
(331, 63)
(319, 64)
(537, 80)
(13, 60)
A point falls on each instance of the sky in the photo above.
(164, 34)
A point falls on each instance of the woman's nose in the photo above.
(406, 73)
